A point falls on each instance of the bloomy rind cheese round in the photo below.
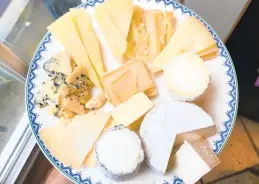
(123, 175)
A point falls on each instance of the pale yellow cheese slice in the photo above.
(190, 36)
(132, 110)
(71, 143)
(114, 38)
(64, 30)
(82, 20)
(141, 75)
(122, 88)
(120, 12)
(65, 66)
(76, 75)
(74, 106)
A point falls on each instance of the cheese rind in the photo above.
(169, 120)
(131, 110)
(72, 142)
(194, 160)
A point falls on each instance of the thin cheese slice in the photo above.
(74, 106)
(132, 110)
(71, 143)
(89, 39)
(193, 160)
(140, 73)
(114, 38)
(117, 90)
(120, 12)
(77, 74)
(66, 33)
(191, 36)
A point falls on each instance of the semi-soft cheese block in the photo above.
(193, 160)
(140, 74)
(132, 110)
(72, 142)
(64, 30)
(186, 76)
(113, 36)
(82, 20)
(119, 153)
(190, 36)
(169, 121)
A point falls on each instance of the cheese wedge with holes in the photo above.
(72, 142)
(113, 36)
(132, 110)
(82, 20)
(139, 73)
(196, 159)
(190, 36)
(64, 30)
(171, 123)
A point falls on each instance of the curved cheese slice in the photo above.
(187, 77)
(166, 122)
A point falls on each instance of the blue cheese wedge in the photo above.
(186, 77)
(193, 160)
(168, 125)
(119, 153)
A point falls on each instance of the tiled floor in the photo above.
(239, 159)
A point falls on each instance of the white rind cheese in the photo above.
(194, 160)
(187, 77)
(119, 153)
(166, 122)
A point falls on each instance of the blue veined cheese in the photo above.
(193, 160)
(168, 125)
(186, 76)
(119, 153)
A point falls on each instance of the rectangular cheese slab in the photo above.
(132, 110)
(139, 73)
(193, 160)
(64, 30)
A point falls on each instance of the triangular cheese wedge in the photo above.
(64, 30)
(190, 36)
(72, 142)
(89, 39)
(120, 11)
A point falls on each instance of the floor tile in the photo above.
(243, 178)
(238, 154)
(253, 129)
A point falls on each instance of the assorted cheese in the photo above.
(196, 159)
(186, 76)
(191, 36)
(140, 40)
(119, 153)
(173, 122)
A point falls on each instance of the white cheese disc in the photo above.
(186, 76)
(167, 125)
(119, 153)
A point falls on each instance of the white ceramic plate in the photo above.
(220, 101)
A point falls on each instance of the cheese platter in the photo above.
(131, 92)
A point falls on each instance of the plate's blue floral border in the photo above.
(76, 176)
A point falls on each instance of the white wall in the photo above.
(220, 14)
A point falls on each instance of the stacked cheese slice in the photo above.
(74, 31)
(190, 36)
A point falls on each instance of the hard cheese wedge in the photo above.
(137, 69)
(82, 20)
(193, 160)
(66, 33)
(114, 38)
(71, 143)
(132, 110)
(190, 36)
(169, 120)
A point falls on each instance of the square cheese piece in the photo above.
(132, 110)
(138, 73)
